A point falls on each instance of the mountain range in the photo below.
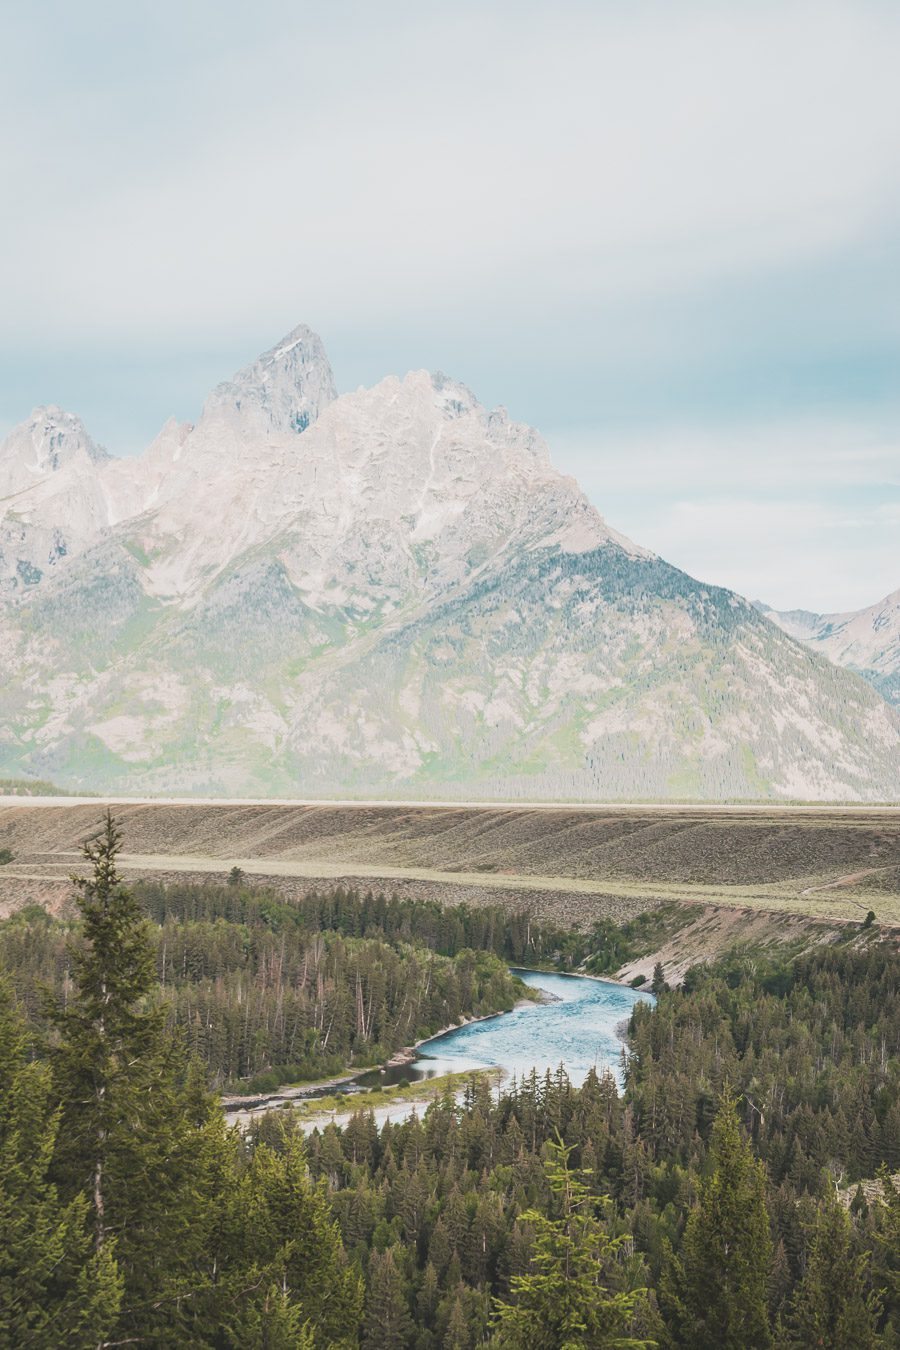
(865, 640)
(393, 593)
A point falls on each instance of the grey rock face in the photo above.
(391, 592)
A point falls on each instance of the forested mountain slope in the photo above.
(864, 640)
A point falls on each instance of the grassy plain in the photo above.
(832, 863)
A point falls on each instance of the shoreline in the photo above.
(407, 1054)
(586, 975)
(611, 979)
(399, 1099)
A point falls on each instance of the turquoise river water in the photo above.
(578, 1026)
(578, 1029)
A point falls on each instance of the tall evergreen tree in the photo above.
(388, 1325)
(271, 1321)
(458, 1335)
(716, 1294)
(126, 1137)
(563, 1302)
(886, 1216)
(54, 1289)
(834, 1305)
(287, 1233)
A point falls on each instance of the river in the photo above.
(577, 1026)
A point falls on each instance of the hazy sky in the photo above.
(665, 233)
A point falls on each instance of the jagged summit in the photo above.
(49, 439)
(45, 442)
(58, 435)
(390, 592)
(456, 398)
(282, 391)
(416, 459)
(54, 498)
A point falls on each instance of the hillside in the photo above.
(865, 640)
(30, 787)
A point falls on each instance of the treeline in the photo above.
(518, 937)
(813, 1046)
(751, 1095)
(269, 991)
(297, 1005)
(448, 930)
(35, 787)
(268, 997)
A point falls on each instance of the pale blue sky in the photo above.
(666, 234)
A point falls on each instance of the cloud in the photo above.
(793, 555)
(345, 169)
(799, 455)
(667, 232)
(801, 515)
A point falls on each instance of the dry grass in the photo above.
(831, 863)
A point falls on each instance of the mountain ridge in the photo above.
(391, 591)
(864, 640)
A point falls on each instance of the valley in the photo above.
(867, 640)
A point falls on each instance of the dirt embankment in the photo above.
(668, 846)
(568, 909)
(716, 929)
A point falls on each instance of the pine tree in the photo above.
(219, 1290)
(270, 1322)
(288, 1234)
(427, 1297)
(457, 1335)
(563, 1303)
(125, 1135)
(886, 1218)
(106, 1032)
(716, 1294)
(388, 1325)
(834, 1306)
(54, 1290)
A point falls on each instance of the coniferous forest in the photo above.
(739, 1193)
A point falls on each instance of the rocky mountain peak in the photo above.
(49, 439)
(43, 444)
(393, 592)
(281, 392)
(454, 398)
